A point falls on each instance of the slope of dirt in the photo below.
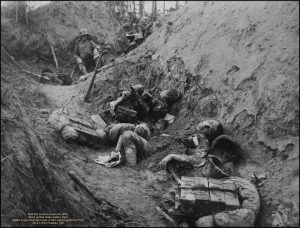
(236, 62)
(34, 166)
(62, 20)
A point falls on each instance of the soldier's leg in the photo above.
(81, 66)
(125, 145)
(132, 147)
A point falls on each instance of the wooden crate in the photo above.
(201, 196)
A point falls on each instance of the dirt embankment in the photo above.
(236, 62)
(62, 21)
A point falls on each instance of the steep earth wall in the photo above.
(34, 166)
(237, 62)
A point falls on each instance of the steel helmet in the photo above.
(83, 31)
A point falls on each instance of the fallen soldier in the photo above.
(228, 201)
(199, 146)
(132, 147)
(141, 101)
(112, 133)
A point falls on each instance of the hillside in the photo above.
(62, 20)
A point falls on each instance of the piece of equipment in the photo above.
(201, 196)
(99, 61)
(125, 115)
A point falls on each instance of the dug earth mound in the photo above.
(235, 62)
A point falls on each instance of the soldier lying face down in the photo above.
(132, 145)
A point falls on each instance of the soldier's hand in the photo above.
(164, 162)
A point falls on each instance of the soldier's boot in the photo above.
(82, 68)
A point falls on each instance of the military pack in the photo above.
(201, 196)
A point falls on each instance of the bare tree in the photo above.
(154, 10)
(141, 9)
(133, 7)
(17, 5)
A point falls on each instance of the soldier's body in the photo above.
(132, 145)
(142, 101)
(200, 163)
(199, 145)
(86, 51)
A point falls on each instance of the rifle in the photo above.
(99, 59)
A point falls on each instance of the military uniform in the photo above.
(114, 131)
(85, 52)
(198, 147)
(138, 145)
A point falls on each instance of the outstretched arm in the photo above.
(182, 158)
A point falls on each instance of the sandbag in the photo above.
(58, 119)
(69, 133)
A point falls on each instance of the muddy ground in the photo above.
(242, 70)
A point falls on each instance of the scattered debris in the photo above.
(166, 216)
(259, 179)
(169, 118)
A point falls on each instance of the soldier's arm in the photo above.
(187, 160)
(94, 45)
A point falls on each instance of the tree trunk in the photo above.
(154, 8)
(122, 13)
(17, 4)
(141, 9)
(133, 7)
(164, 10)
(177, 5)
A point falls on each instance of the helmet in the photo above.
(138, 88)
(102, 135)
(143, 131)
(83, 31)
(226, 149)
(211, 128)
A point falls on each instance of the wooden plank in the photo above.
(187, 194)
(229, 186)
(187, 182)
(201, 182)
(231, 201)
(202, 195)
(216, 196)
